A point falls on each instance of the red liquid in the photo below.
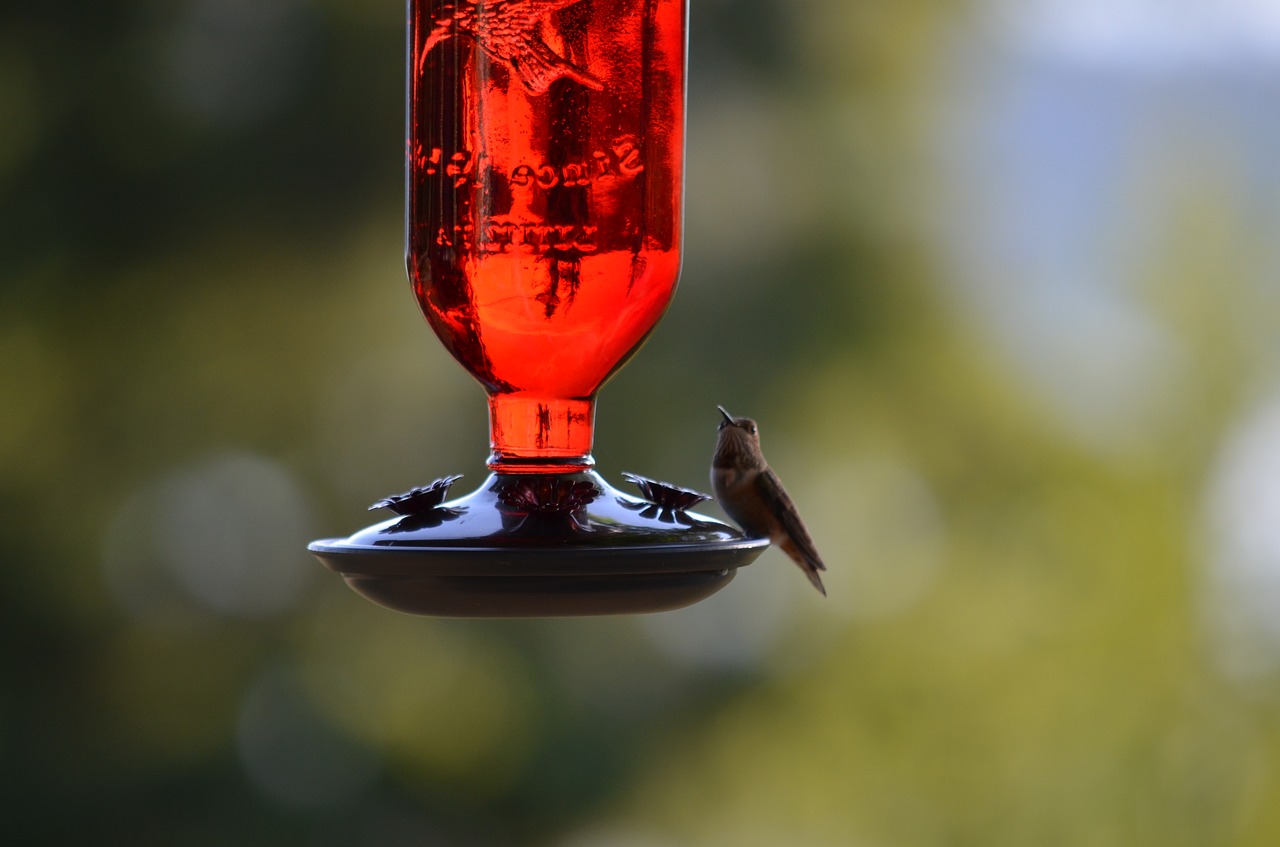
(545, 171)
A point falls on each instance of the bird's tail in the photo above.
(808, 562)
(816, 580)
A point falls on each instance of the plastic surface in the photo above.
(539, 545)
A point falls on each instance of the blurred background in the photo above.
(997, 277)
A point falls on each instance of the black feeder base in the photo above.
(541, 545)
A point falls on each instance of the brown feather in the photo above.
(792, 535)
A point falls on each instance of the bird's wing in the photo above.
(522, 16)
(546, 7)
(508, 30)
(538, 66)
(450, 21)
(779, 503)
(795, 541)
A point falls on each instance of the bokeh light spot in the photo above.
(883, 534)
(231, 62)
(227, 535)
(292, 753)
(734, 629)
(1242, 512)
(439, 705)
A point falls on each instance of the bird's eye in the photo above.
(751, 429)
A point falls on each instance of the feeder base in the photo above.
(540, 545)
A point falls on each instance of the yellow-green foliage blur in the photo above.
(997, 278)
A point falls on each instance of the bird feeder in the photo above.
(545, 174)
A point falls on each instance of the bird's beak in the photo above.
(728, 418)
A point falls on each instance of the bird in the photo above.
(751, 493)
(508, 31)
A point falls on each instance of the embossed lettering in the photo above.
(460, 167)
(536, 239)
(576, 175)
(623, 159)
(548, 177)
(604, 165)
(522, 175)
(628, 153)
(427, 164)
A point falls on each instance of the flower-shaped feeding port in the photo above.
(553, 501)
(664, 501)
(420, 508)
(545, 176)
(418, 501)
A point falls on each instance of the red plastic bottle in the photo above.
(545, 177)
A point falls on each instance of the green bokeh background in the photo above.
(1053, 611)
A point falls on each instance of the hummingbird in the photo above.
(751, 493)
(509, 31)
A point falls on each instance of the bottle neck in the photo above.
(537, 434)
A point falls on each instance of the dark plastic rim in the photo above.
(524, 561)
